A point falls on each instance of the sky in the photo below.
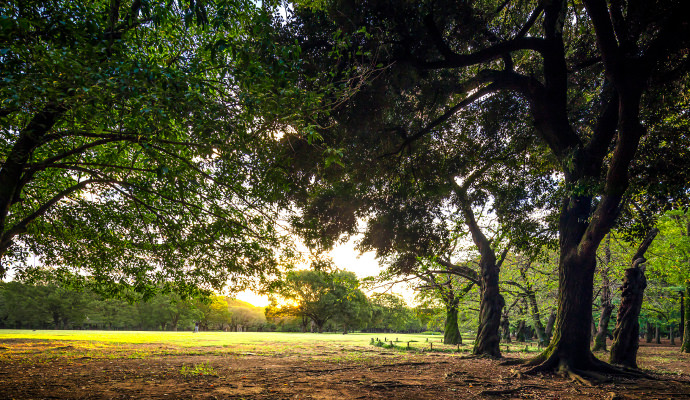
(346, 257)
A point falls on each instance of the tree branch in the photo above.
(491, 53)
(530, 21)
(606, 38)
(20, 227)
(460, 270)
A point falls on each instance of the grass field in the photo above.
(256, 365)
(190, 339)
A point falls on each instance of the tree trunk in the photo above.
(490, 308)
(671, 335)
(606, 306)
(534, 310)
(603, 329)
(569, 349)
(681, 327)
(451, 334)
(505, 328)
(648, 333)
(657, 334)
(685, 347)
(626, 337)
(549, 325)
(520, 331)
(491, 301)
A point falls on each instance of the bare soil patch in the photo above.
(88, 370)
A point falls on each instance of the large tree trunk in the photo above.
(491, 301)
(569, 349)
(626, 337)
(685, 347)
(490, 309)
(451, 334)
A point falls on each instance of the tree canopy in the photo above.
(136, 141)
(593, 78)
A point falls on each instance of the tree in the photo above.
(418, 205)
(389, 313)
(589, 73)
(626, 334)
(136, 141)
(244, 316)
(669, 258)
(352, 307)
(214, 313)
(444, 287)
(319, 296)
(530, 291)
(606, 304)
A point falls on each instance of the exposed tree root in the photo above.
(589, 372)
(578, 378)
(621, 371)
(536, 361)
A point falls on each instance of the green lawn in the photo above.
(190, 339)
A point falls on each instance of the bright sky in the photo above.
(344, 257)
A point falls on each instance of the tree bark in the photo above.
(603, 330)
(626, 338)
(626, 335)
(569, 348)
(490, 308)
(451, 333)
(657, 334)
(491, 301)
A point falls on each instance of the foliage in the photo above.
(318, 296)
(136, 142)
(42, 307)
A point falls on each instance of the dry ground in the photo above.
(52, 369)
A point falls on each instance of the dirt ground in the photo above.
(88, 370)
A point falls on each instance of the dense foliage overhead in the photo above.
(136, 140)
(598, 82)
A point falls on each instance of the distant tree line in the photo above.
(336, 304)
(321, 300)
